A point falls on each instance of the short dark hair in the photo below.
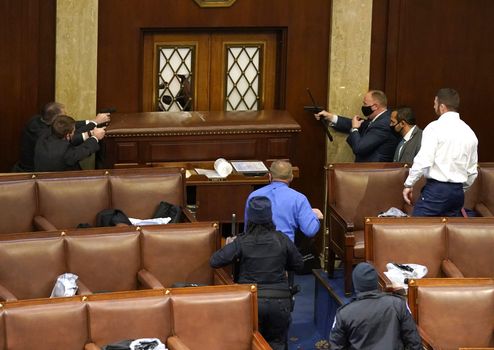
(62, 126)
(50, 111)
(449, 97)
(406, 114)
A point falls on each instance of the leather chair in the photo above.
(19, 217)
(104, 263)
(470, 249)
(405, 240)
(119, 319)
(453, 313)
(210, 320)
(162, 247)
(485, 202)
(49, 326)
(30, 267)
(355, 191)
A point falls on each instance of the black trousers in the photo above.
(274, 320)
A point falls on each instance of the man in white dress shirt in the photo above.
(447, 158)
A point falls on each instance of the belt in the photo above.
(273, 293)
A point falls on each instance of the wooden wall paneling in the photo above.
(305, 25)
(434, 44)
(27, 66)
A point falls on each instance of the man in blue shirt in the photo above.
(291, 209)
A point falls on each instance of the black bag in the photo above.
(111, 217)
(168, 210)
(121, 345)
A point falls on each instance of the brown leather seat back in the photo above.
(420, 244)
(220, 321)
(29, 268)
(67, 202)
(17, 205)
(47, 327)
(487, 180)
(139, 195)
(471, 248)
(455, 316)
(362, 192)
(105, 263)
(472, 195)
(179, 253)
(2, 331)
(114, 320)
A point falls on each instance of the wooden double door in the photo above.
(200, 71)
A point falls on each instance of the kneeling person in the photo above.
(55, 152)
(264, 255)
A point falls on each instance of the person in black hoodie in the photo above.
(264, 255)
(373, 320)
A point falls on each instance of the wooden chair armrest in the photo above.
(222, 277)
(42, 224)
(91, 346)
(82, 289)
(482, 210)
(259, 343)
(336, 215)
(386, 284)
(450, 269)
(188, 216)
(174, 343)
(6, 295)
(426, 339)
(148, 280)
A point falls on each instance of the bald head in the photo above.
(281, 170)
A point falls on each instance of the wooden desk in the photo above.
(218, 199)
(140, 138)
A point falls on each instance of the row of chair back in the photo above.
(63, 200)
(360, 190)
(217, 317)
(109, 259)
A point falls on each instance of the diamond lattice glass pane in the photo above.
(175, 86)
(243, 77)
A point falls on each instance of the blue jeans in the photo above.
(440, 199)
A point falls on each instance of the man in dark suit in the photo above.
(40, 124)
(371, 139)
(403, 124)
(56, 151)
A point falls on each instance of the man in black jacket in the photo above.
(264, 255)
(374, 320)
(371, 139)
(40, 124)
(54, 151)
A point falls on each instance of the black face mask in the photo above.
(397, 133)
(367, 110)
